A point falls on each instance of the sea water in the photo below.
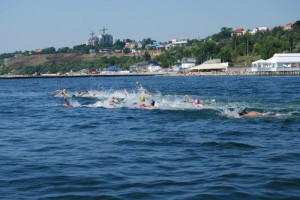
(95, 150)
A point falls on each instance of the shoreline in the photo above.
(229, 73)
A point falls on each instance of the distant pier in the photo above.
(279, 73)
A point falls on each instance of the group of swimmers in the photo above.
(144, 102)
(150, 104)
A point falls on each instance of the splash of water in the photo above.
(124, 99)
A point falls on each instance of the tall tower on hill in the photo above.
(92, 40)
(104, 37)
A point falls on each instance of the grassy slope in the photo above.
(44, 60)
(35, 60)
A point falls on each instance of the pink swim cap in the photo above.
(197, 101)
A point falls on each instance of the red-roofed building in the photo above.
(239, 31)
(288, 26)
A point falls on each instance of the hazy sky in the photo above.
(32, 24)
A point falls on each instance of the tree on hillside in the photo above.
(126, 50)
(84, 49)
(297, 23)
(225, 54)
(226, 32)
(50, 50)
(147, 56)
(147, 41)
(64, 50)
(119, 45)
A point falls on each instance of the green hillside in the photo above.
(239, 49)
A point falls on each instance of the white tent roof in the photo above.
(285, 58)
(210, 66)
(262, 61)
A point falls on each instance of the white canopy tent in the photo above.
(279, 62)
(211, 65)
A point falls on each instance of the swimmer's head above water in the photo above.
(152, 103)
(197, 101)
(142, 99)
(242, 112)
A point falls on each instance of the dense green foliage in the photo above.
(225, 45)
(229, 47)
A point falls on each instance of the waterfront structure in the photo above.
(154, 66)
(211, 65)
(150, 66)
(187, 63)
(280, 62)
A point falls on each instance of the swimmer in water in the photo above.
(197, 104)
(143, 99)
(81, 94)
(187, 98)
(113, 101)
(142, 89)
(63, 92)
(150, 106)
(244, 113)
(66, 101)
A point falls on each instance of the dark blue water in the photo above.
(94, 151)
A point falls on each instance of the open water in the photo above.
(94, 150)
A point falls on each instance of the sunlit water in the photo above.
(95, 150)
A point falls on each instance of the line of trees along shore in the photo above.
(225, 45)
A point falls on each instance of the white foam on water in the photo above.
(132, 100)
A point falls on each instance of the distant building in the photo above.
(279, 62)
(130, 45)
(176, 42)
(106, 38)
(101, 39)
(211, 65)
(150, 66)
(93, 41)
(187, 63)
(238, 32)
(133, 45)
(288, 26)
(255, 30)
(179, 41)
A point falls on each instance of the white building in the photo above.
(279, 62)
(255, 30)
(187, 63)
(176, 42)
(154, 68)
(211, 65)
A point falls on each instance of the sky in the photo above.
(38, 24)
